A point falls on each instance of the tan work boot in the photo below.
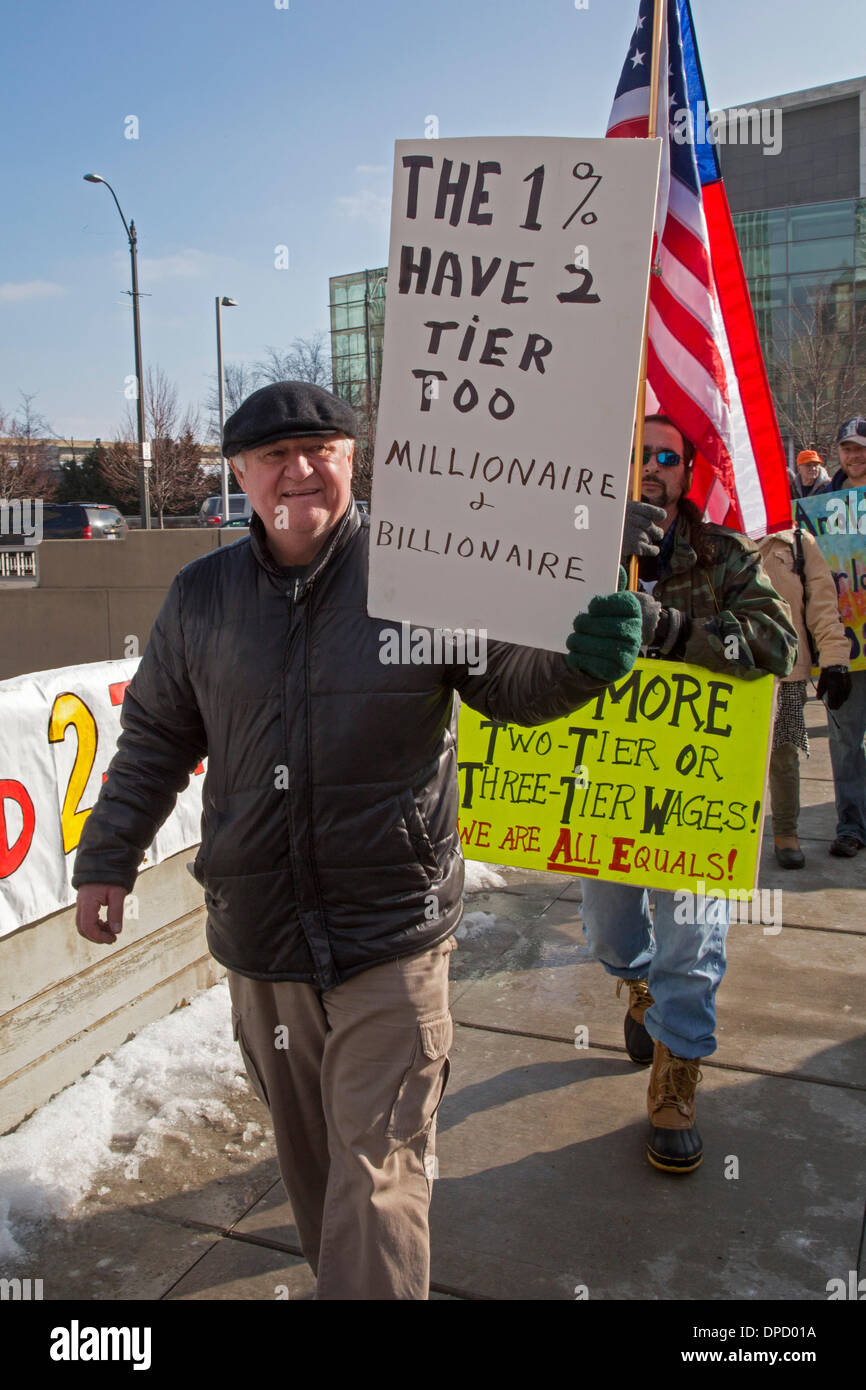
(674, 1144)
(638, 1042)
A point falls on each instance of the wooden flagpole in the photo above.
(652, 131)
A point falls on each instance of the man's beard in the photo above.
(657, 496)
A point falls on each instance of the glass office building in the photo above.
(800, 219)
(357, 306)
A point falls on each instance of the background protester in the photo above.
(705, 599)
(798, 571)
(848, 722)
(330, 854)
(809, 475)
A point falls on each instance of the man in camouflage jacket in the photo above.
(706, 600)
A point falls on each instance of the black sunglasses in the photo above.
(667, 458)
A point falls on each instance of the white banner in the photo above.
(516, 289)
(59, 733)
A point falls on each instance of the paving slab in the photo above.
(271, 1219)
(544, 1188)
(108, 1256)
(270, 1229)
(238, 1270)
(493, 920)
(792, 1002)
(827, 894)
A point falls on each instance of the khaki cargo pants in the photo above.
(353, 1100)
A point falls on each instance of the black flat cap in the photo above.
(286, 410)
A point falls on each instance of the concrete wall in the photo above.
(65, 1002)
(823, 155)
(819, 160)
(93, 595)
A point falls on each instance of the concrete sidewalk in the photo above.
(543, 1189)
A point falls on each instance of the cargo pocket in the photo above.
(423, 1084)
(252, 1070)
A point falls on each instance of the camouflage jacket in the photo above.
(739, 623)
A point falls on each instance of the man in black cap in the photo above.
(330, 856)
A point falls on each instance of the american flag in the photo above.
(705, 369)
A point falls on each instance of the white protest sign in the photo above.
(516, 288)
(60, 732)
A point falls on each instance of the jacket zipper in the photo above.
(293, 595)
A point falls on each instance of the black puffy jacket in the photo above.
(329, 839)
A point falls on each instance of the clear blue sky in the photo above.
(261, 126)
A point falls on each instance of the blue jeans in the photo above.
(683, 961)
(847, 728)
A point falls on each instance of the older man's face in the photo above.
(300, 488)
(853, 460)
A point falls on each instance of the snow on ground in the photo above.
(479, 875)
(173, 1074)
(177, 1071)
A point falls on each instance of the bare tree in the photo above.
(176, 478)
(23, 452)
(308, 359)
(816, 379)
(359, 398)
(240, 381)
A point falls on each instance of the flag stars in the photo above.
(637, 59)
(639, 25)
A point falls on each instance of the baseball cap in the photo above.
(855, 429)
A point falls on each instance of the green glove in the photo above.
(606, 639)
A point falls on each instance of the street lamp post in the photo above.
(227, 303)
(143, 464)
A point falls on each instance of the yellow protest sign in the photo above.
(658, 781)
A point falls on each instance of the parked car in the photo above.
(211, 511)
(363, 507)
(82, 521)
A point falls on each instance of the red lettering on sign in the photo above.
(571, 863)
(12, 855)
(523, 837)
(477, 828)
(619, 862)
